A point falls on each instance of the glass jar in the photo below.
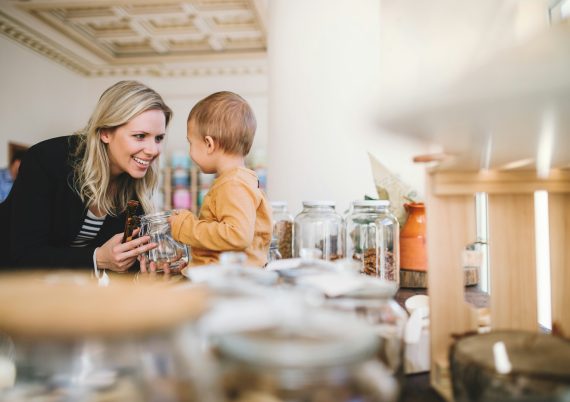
(274, 253)
(318, 226)
(307, 355)
(372, 236)
(168, 250)
(374, 303)
(124, 342)
(283, 228)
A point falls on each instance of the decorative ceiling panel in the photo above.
(100, 35)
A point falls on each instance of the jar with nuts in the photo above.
(282, 228)
(372, 238)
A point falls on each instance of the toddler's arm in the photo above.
(234, 208)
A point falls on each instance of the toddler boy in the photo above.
(235, 214)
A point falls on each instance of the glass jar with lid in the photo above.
(123, 342)
(282, 228)
(307, 355)
(168, 250)
(319, 226)
(374, 303)
(372, 239)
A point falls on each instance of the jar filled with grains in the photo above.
(372, 236)
(282, 229)
(319, 226)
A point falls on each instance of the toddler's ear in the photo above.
(210, 144)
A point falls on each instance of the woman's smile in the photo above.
(143, 163)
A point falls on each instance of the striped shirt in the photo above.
(89, 229)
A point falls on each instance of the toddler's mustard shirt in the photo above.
(235, 216)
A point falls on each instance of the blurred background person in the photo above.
(8, 174)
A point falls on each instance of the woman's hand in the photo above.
(119, 257)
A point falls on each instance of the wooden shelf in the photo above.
(168, 190)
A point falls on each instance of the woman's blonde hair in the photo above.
(117, 106)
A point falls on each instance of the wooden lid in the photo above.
(530, 354)
(63, 304)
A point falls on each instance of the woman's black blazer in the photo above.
(43, 213)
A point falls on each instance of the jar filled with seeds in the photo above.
(372, 236)
(319, 226)
(282, 228)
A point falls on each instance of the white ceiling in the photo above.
(487, 82)
(157, 37)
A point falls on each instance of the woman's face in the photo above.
(133, 146)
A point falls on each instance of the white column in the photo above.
(324, 87)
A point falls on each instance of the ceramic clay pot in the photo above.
(413, 251)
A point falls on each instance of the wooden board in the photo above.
(559, 211)
(450, 226)
(413, 279)
(512, 262)
(419, 279)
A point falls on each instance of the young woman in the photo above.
(67, 207)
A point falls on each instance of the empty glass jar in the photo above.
(318, 226)
(372, 239)
(282, 228)
(168, 250)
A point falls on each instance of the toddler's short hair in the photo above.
(228, 119)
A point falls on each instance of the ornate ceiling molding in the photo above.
(26, 37)
(141, 38)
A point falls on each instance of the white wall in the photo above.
(325, 97)
(39, 99)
